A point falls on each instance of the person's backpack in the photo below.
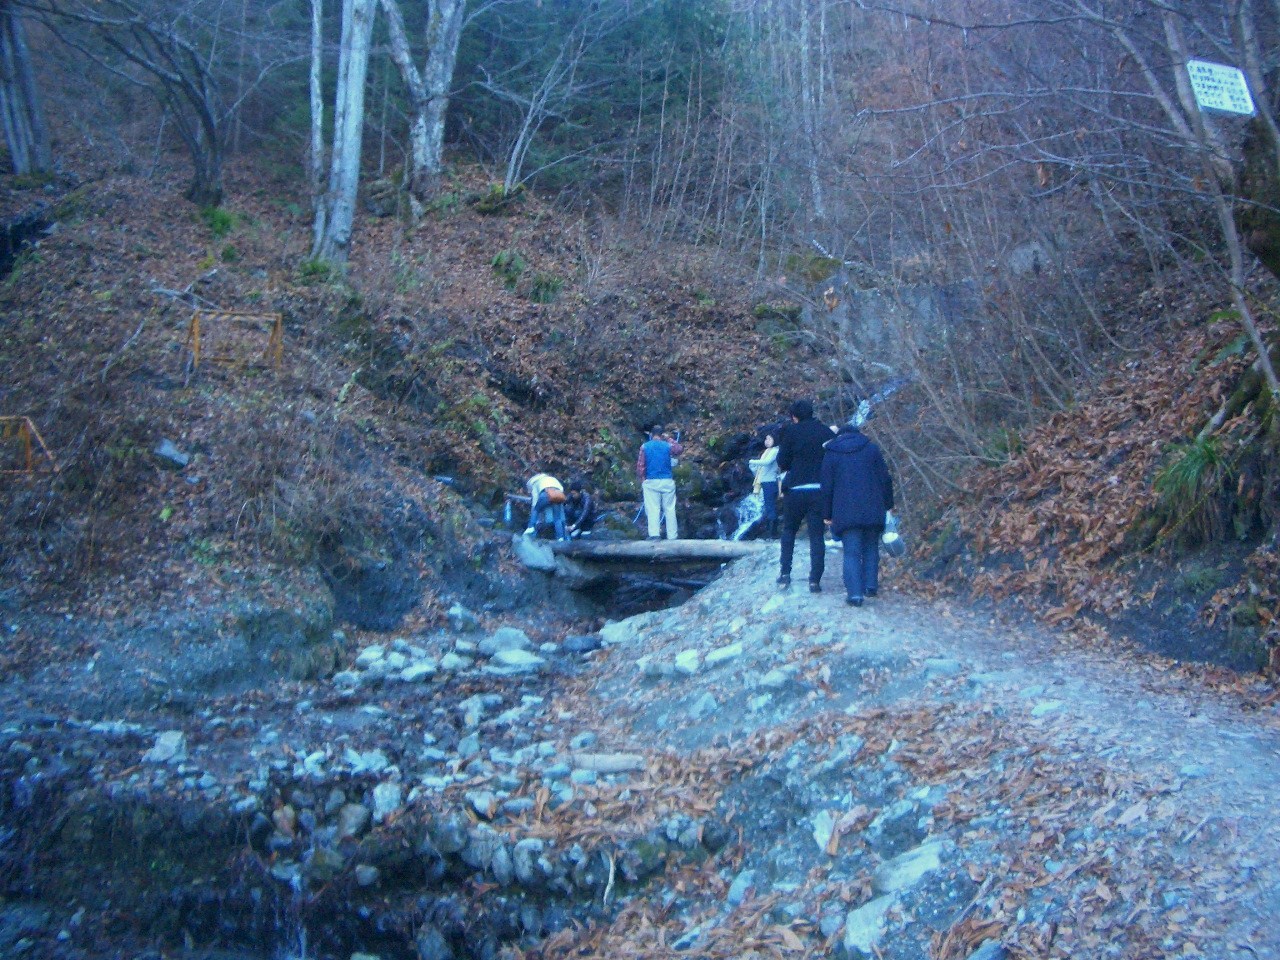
(555, 495)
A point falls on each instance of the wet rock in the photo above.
(324, 864)
(906, 870)
(170, 747)
(449, 834)
(352, 819)
(505, 638)
(866, 926)
(431, 944)
(462, 620)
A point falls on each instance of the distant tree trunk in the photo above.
(315, 161)
(332, 239)
(428, 89)
(23, 120)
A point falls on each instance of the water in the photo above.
(748, 511)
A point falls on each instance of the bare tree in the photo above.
(176, 52)
(20, 113)
(335, 214)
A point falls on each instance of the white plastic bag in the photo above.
(891, 541)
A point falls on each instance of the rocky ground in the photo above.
(754, 773)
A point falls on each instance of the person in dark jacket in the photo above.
(857, 492)
(580, 511)
(800, 454)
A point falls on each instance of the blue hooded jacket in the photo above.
(856, 487)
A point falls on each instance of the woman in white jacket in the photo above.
(766, 471)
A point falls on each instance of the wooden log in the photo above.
(658, 551)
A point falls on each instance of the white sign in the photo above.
(1219, 87)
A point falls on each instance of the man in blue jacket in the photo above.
(857, 492)
(800, 455)
(655, 470)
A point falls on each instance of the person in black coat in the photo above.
(800, 454)
(857, 492)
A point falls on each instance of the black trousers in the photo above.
(804, 505)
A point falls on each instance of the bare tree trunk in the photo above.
(315, 161)
(333, 236)
(23, 120)
(428, 90)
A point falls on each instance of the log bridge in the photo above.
(584, 562)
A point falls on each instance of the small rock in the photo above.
(453, 662)
(525, 859)
(723, 654)
(774, 679)
(462, 620)
(1045, 706)
(823, 826)
(989, 950)
(469, 746)
(505, 638)
(431, 944)
(482, 801)
(396, 661)
(521, 660)
(173, 458)
(704, 706)
(346, 678)
(369, 656)
(741, 887)
(352, 819)
(366, 876)
(481, 846)
(624, 631)
(387, 798)
(608, 762)
(581, 644)
(865, 927)
(687, 662)
(170, 747)
(501, 867)
(517, 806)
(756, 704)
(942, 667)
(905, 870)
(583, 777)
(414, 673)
(582, 740)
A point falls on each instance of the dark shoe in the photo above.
(853, 601)
(815, 587)
(784, 582)
(871, 593)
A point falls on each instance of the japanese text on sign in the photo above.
(1219, 87)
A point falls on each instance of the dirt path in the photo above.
(1066, 801)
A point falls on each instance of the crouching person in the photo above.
(546, 504)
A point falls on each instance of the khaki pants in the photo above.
(659, 500)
